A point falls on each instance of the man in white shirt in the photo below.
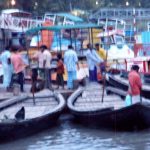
(44, 63)
(47, 57)
(93, 60)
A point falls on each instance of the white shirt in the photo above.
(47, 57)
(44, 56)
(39, 56)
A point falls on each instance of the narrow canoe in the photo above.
(87, 107)
(20, 117)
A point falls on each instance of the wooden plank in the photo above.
(96, 99)
(83, 106)
(116, 91)
(30, 111)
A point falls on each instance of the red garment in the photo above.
(17, 62)
(60, 67)
(135, 83)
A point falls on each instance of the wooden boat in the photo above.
(20, 117)
(123, 83)
(86, 106)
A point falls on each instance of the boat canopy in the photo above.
(60, 27)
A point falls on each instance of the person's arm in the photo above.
(76, 60)
(139, 82)
(8, 61)
(65, 60)
(44, 63)
(93, 56)
(103, 53)
(35, 56)
(97, 57)
(59, 64)
(44, 59)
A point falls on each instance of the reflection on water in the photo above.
(69, 136)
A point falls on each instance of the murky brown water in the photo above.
(70, 136)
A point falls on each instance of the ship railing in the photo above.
(18, 24)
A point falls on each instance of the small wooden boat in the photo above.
(20, 116)
(87, 107)
(123, 83)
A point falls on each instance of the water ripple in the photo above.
(69, 136)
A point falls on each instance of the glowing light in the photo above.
(13, 2)
(139, 4)
(96, 2)
(127, 3)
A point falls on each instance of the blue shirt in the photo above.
(92, 59)
(70, 60)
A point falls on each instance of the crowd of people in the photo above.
(14, 67)
(95, 58)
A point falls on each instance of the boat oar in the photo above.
(104, 79)
(141, 96)
(33, 89)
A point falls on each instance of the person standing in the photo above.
(7, 67)
(71, 63)
(93, 60)
(100, 51)
(60, 71)
(45, 65)
(19, 66)
(102, 54)
(44, 58)
(135, 84)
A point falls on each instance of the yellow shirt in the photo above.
(101, 52)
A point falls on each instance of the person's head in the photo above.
(89, 46)
(43, 47)
(14, 48)
(135, 68)
(97, 46)
(70, 47)
(7, 48)
(59, 56)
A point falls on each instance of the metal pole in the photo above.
(104, 80)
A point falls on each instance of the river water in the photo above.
(70, 136)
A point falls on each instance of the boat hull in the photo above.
(128, 118)
(13, 129)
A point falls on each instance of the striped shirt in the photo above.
(70, 60)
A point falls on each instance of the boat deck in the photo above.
(43, 105)
(91, 99)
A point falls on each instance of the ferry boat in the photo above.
(13, 25)
(113, 39)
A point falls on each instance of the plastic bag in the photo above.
(128, 100)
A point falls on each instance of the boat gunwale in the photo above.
(57, 109)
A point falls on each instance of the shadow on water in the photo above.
(69, 136)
